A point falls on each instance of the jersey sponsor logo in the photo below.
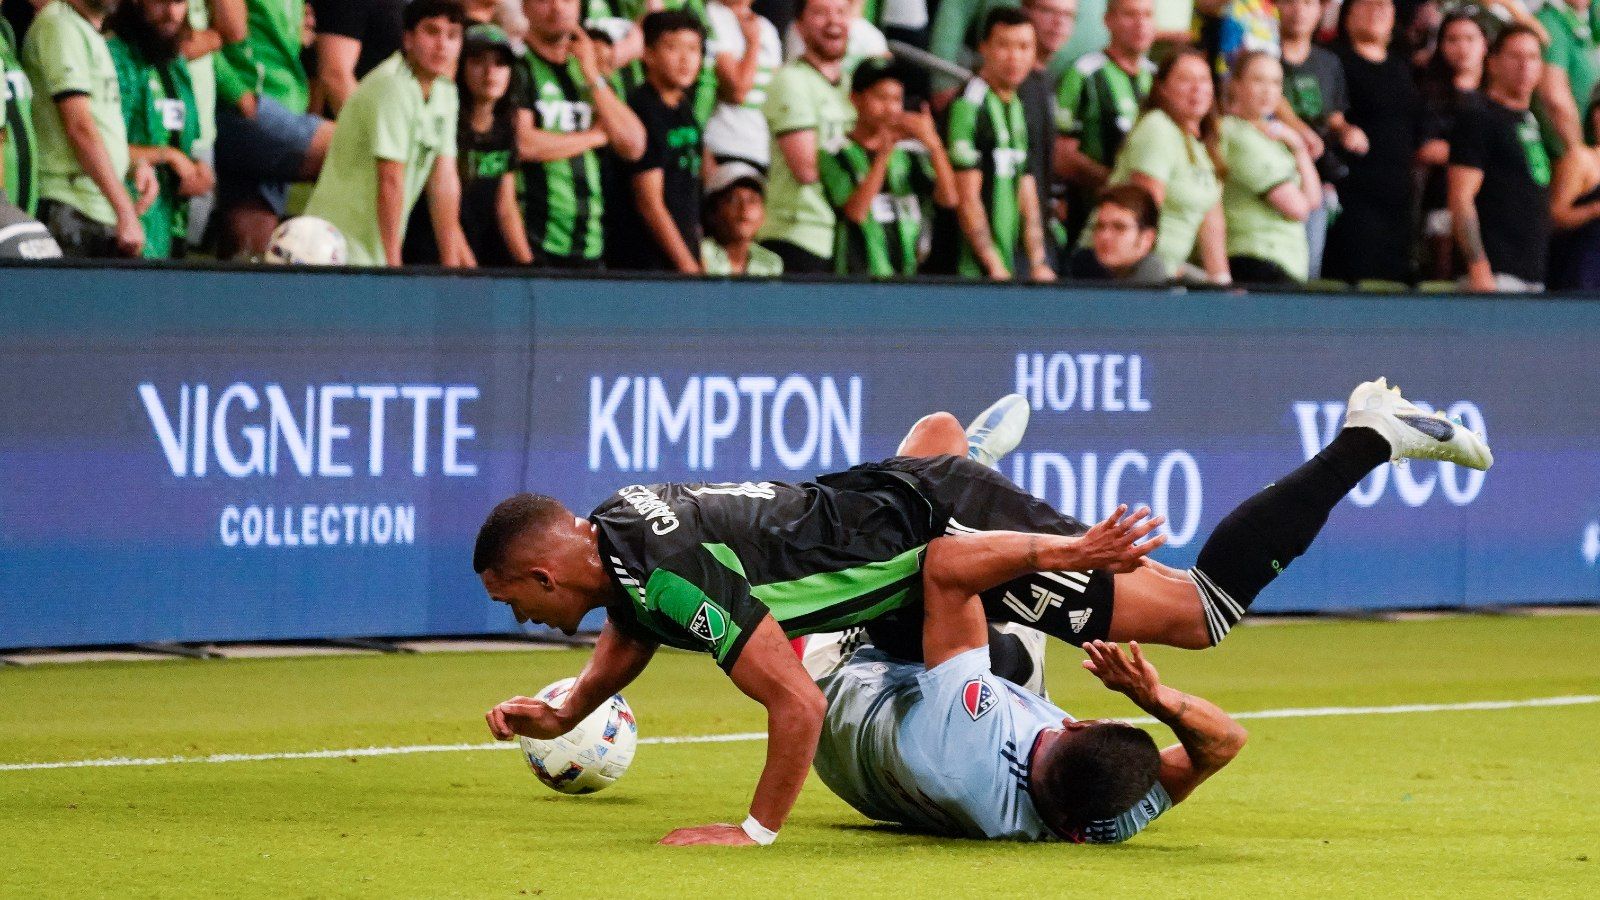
(563, 115)
(645, 502)
(709, 623)
(977, 698)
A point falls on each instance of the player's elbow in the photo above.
(799, 712)
(1231, 744)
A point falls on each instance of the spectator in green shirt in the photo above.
(266, 139)
(83, 142)
(397, 133)
(19, 163)
(879, 188)
(1570, 71)
(998, 204)
(163, 119)
(1173, 152)
(1272, 184)
(807, 112)
(732, 213)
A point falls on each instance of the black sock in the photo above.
(1259, 539)
(1008, 658)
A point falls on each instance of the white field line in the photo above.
(1311, 712)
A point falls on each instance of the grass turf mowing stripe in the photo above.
(1309, 712)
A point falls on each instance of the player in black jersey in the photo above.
(735, 569)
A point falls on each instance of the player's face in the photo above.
(1132, 25)
(824, 26)
(434, 46)
(880, 104)
(1008, 55)
(1119, 244)
(488, 75)
(675, 59)
(1052, 22)
(535, 598)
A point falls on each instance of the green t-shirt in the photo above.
(564, 199)
(885, 244)
(159, 107)
(991, 135)
(64, 54)
(799, 99)
(956, 23)
(386, 118)
(203, 77)
(19, 164)
(1098, 102)
(1573, 47)
(763, 263)
(1159, 149)
(267, 61)
(1256, 165)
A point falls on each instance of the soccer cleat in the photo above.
(1411, 432)
(998, 430)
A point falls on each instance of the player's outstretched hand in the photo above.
(525, 716)
(1129, 674)
(719, 835)
(1114, 543)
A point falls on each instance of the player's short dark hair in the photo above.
(418, 10)
(1008, 16)
(1136, 200)
(1095, 773)
(658, 25)
(872, 70)
(510, 519)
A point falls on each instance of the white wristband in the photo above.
(758, 832)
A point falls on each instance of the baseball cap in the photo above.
(735, 172)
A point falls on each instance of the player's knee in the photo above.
(935, 434)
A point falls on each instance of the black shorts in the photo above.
(966, 497)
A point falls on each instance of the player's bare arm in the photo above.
(617, 661)
(769, 673)
(1208, 738)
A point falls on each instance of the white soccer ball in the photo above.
(590, 757)
(307, 241)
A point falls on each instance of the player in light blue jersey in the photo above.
(954, 750)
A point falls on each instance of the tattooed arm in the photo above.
(1207, 738)
(1464, 184)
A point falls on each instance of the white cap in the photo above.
(731, 173)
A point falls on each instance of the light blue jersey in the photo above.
(945, 750)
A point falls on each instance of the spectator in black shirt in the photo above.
(1313, 84)
(1374, 235)
(1451, 80)
(1500, 173)
(486, 157)
(660, 229)
(353, 36)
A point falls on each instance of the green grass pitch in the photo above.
(1449, 804)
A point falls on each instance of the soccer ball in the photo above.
(590, 757)
(306, 241)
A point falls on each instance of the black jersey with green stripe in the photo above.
(885, 244)
(18, 165)
(697, 566)
(991, 134)
(1098, 102)
(563, 198)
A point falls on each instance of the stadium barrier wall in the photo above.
(215, 455)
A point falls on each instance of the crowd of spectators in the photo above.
(1266, 142)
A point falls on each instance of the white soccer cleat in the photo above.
(1411, 432)
(998, 430)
